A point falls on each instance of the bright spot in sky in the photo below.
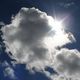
(55, 25)
(59, 38)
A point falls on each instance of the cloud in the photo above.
(67, 62)
(28, 40)
(9, 72)
(67, 5)
(1, 24)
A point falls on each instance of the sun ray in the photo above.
(55, 25)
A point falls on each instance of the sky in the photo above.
(39, 40)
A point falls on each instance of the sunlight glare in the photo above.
(59, 38)
(55, 25)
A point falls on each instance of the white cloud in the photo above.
(9, 72)
(67, 62)
(28, 39)
(67, 5)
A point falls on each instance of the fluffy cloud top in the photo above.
(29, 39)
(67, 62)
(25, 34)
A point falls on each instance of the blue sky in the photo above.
(10, 70)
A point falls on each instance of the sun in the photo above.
(55, 25)
(57, 35)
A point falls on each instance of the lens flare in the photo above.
(57, 39)
(55, 25)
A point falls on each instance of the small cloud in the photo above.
(67, 5)
(9, 72)
(2, 23)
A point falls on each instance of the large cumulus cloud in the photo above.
(28, 40)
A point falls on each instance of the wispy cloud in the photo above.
(67, 4)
